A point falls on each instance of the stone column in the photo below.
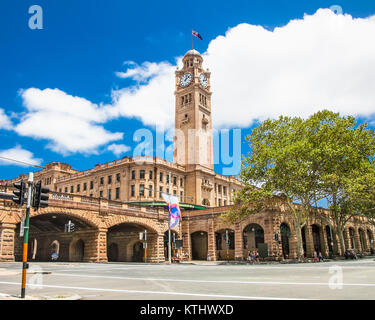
(211, 239)
(309, 241)
(186, 241)
(347, 238)
(238, 242)
(95, 246)
(7, 242)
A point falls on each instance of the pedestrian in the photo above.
(315, 256)
(320, 257)
(208, 257)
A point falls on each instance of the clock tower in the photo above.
(193, 124)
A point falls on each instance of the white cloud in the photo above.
(5, 122)
(118, 149)
(69, 123)
(17, 153)
(321, 61)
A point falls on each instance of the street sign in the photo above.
(144, 245)
(22, 227)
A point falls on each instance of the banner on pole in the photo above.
(173, 208)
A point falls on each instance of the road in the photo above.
(327, 280)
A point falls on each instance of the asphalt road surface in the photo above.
(326, 280)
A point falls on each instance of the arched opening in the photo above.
(329, 236)
(50, 239)
(224, 244)
(316, 238)
(199, 245)
(138, 252)
(76, 250)
(125, 244)
(253, 235)
(32, 249)
(206, 202)
(285, 236)
(351, 238)
(253, 240)
(173, 244)
(362, 239)
(112, 252)
(54, 250)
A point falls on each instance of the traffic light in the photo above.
(40, 198)
(19, 193)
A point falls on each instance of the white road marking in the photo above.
(164, 292)
(214, 281)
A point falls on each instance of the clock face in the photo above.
(186, 79)
(203, 80)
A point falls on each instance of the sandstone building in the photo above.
(112, 203)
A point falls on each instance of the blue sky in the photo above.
(84, 43)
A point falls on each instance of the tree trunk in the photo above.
(299, 236)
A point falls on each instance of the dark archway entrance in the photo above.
(138, 252)
(112, 252)
(370, 239)
(76, 250)
(253, 235)
(351, 238)
(199, 245)
(285, 236)
(316, 238)
(224, 244)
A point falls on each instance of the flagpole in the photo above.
(192, 38)
(169, 225)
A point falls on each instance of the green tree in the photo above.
(343, 152)
(323, 157)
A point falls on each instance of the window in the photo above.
(142, 190)
(71, 189)
(133, 190)
(181, 182)
(161, 177)
(167, 178)
(117, 193)
(133, 175)
(150, 175)
(91, 185)
(225, 191)
(219, 188)
(168, 190)
(66, 189)
(174, 181)
(85, 186)
(141, 174)
(90, 195)
(109, 194)
(101, 181)
(174, 192)
(109, 179)
(161, 190)
(150, 190)
(101, 194)
(118, 177)
(60, 190)
(78, 187)
(181, 196)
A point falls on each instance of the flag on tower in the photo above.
(194, 33)
(173, 208)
